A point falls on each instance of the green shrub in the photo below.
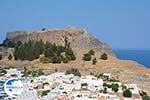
(40, 72)
(115, 87)
(104, 84)
(146, 97)
(65, 60)
(49, 52)
(94, 61)
(1, 57)
(99, 75)
(91, 52)
(105, 90)
(29, 50)
(44, 93)
(3, 71)
(45, 60)
(74, 71)
(10, 57)
(127, 93)
(69, 54)
(109, 85)
(56, 59)
(8, 43)
(34, 73)
(104, 56)
(87, 57)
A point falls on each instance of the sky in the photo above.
(123, 24)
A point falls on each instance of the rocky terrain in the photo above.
(78, 38)
(81, 42)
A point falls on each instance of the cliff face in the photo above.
(79, 39)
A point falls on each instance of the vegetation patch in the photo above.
(74, 71)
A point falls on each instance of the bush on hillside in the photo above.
(10, 57)
(8, 43)
(1, 57)
(74, 71)
(94, 61)
(127, 93)
(45, 60)
(29, 50)
(87, 57)
(91, 52)
(104, 56)
(56, 59)
(115, 87)
(65, 60)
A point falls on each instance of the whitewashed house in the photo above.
(13, 72)
(108, 75)
(109, 96)
(93, 83)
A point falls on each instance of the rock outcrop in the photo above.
(79, 39)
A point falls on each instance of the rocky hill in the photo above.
(79, 39)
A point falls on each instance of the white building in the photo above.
(93, 83)
(13, 72)
(108, 75)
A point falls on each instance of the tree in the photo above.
(8, 43)
(91, 52)
(29, 50)
(99, 75)
(10, 57)
(143, 93)
(74, 71)
(104, 84)
(115, 87)
(1, 57)
(3, 71)
(48, 45)
(146, 97)
(94, 61)
(44, 93)
(105, 90)
(40, 72)
(127, 93)
(39, 46)
(87, 57)
(104, 56)
(69, 54)
(65, 60)
(67, 44)
(19, 43)
(56, 59)
(49, 52)
(34, 73)
(45, 60)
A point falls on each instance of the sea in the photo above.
(140, 56)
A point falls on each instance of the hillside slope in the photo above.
(81, 42)
(80, 39)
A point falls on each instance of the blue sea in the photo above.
(140, 56)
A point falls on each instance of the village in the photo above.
(69, 85)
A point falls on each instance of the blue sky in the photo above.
(124, 24)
